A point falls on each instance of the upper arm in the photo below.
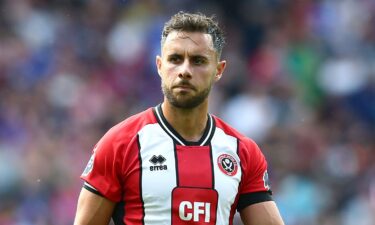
(93, 209)
(255, 203)
(263, 213)
(254, 167)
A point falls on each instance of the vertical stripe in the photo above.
(194, 166)
(176, 165)
(227, 186)
(158, 176)
(140, 181)
(212, 167)
(233, 210)
(234, 205)
(132, 194)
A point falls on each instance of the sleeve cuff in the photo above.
(90, 188)
(252, 198)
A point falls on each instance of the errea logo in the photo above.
(158, 163)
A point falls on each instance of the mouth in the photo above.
(184, 87)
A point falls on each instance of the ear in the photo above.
(158, 64)
(220, 67)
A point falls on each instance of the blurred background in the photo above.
(300, 81)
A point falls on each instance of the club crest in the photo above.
(227, 164)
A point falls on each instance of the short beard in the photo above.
(189, 103)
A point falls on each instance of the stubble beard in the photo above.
(185, 102)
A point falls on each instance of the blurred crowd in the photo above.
(300, 81)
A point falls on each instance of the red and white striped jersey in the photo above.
(156, 177)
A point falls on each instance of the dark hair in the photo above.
(197, 22)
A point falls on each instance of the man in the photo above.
(175, 163)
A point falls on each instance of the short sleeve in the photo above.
(102, 173)
(254, 186)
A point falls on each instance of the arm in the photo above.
(263, 213)
(93, 209)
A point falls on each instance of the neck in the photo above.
(189, 123)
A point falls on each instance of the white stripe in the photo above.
(170, 132)
(225, 185)
(157, 185)
(209, 132)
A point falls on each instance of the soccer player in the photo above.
(176, 163)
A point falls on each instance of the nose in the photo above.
(185, 70)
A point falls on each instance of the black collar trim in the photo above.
(177, 138)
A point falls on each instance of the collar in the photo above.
(177, 138)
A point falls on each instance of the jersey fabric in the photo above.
(157, 177)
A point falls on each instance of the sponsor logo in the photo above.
(158, 163)
(196, 206)
(192, 210)
(227, 164)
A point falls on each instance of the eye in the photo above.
(198, 60)
(174, 58)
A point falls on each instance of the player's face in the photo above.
(188, 67)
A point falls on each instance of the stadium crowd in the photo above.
(300, 81)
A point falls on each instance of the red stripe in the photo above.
(233, 210)
(132, 188)
(194, 166)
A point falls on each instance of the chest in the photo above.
(165, 165)
(181, 183)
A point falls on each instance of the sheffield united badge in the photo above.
(227, 164)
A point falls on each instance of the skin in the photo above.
(93, 209)
(263, 213)
(188, 67)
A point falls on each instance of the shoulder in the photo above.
(247, 149)
(229, 130)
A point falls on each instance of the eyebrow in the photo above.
(190, 56)
(199, 56)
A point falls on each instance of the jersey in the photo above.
(157, 177)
